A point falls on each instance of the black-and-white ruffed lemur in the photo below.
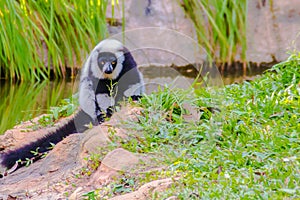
(109, 75)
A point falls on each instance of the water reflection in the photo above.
(23, 101)
(189, 73)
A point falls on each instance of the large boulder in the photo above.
(55, 175)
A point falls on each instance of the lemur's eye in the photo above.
(102, 63)
(113, 62)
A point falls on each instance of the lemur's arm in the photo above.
(87, 98)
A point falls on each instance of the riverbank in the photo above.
(239, 141)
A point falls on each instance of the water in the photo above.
(24, 101)
(183, 77)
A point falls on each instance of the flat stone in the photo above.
(93, 139)
(120, 160)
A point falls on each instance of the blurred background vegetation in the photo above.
(40, 37)
(221, 27)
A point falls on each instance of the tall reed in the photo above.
(220, 27)
(37, 37)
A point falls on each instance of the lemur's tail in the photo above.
(19, 157)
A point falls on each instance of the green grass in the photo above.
(220, 27)
(248, 148)
(243, 144)
(37, 37)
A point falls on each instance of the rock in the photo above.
(56, 166)
(24, 133)
(126, 113)
(55, 175)
(145, 192)
(272, 29)
(120, 160)
(163, 36)
(164, 14)
(93, 139)
(103, 176)
(42, 176)
(64, 157)
(76, 194)
(114, 162)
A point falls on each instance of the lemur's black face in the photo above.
(107, 62)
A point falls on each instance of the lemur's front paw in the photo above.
(136, 97)
(109, 111)
(101, 118)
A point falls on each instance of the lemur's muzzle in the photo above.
(107, 68)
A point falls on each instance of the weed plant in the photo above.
(247, 148)
(37, 37)
(220, 27)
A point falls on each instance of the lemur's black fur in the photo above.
(44, 144)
